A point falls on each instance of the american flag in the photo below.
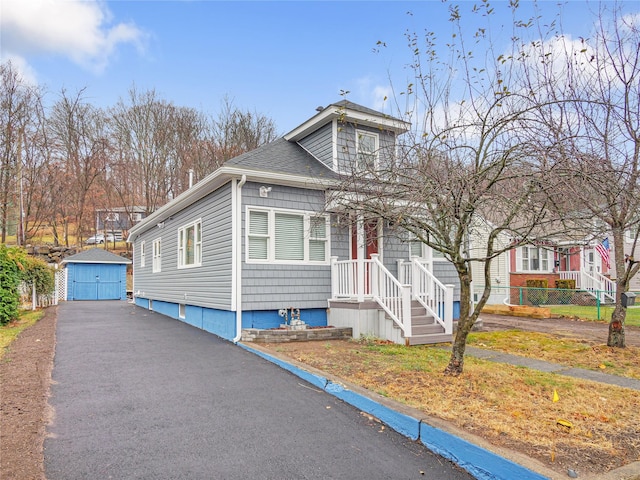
(603, 250)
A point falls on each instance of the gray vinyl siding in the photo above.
(346, 145)
(208, 285)
(446, 273)
(273, 286)
(320, 144)
(395, 248)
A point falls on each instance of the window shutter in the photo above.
(289, 237)
(258, 231)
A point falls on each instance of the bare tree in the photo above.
(17, 107)
(232, 132)
(80, 145)
(467, 176)
(592, 132)
(143, 133)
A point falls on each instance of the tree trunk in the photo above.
(616, 327)
(465, 324)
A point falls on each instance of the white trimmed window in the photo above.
(287, 236)
(630, 236)
(420, 250)
(533, 259)
(367, 144)
(142, 255)
(190, 245)
(157, 255)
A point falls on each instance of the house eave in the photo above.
(214, 181)
(124, 262)
(335, 111)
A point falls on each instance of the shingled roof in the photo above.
(96, 255)
(281, 156)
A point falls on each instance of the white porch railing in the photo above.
(598, 286)
(433, 295)
(360, 279)
(372, 280)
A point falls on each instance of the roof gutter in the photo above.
(215, 180)
(237, 256)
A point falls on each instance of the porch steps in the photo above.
(425, 330)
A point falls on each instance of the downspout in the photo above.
(238, 258)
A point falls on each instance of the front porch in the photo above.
(414, 309)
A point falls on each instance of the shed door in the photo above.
(96, 282)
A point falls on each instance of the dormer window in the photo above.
(367, 148)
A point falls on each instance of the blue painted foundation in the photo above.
(314, 317)
(223, 322)
(456, 310)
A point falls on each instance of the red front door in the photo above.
(371, 248)
(370, 239)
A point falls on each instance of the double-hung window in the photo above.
(157, 255)
(190, 245)
(287, 236)
(142, 255)
(367, 148)
(533, 259)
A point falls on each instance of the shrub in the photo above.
(537, 291)
(12, 263)
(38, 273)
(567, 284)
(566, 288)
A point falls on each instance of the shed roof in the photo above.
(96, 255)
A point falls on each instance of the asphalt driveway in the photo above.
(140, 395)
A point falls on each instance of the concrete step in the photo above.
(422, 320)
(420, 310)
(429, 339)
(427, 329)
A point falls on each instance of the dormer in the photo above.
(347, 137)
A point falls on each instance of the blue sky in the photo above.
(281, 59)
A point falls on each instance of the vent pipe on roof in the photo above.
(190, 177)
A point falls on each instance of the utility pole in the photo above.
(20, 237)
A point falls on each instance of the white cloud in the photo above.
(80, 30)
(21, 66)
(372, 95)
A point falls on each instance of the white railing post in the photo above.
(34, 296)
(416, 278)
(448, 310)
(406, 310)
(400, 266)
(334, 277)
(375, 286)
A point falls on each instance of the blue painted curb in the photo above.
(403, 424)
(479, 462)
(313, 379)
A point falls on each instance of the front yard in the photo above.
(511, 407)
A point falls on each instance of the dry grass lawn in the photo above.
(510, 406)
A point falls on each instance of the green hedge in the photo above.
(536, 291)
(12, 260)
(567, 288)
(16, 267)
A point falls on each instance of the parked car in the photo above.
(99, 238)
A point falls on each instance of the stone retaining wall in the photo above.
(279, 336)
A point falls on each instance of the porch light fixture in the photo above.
(264, 191)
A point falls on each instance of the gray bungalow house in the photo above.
(255, 243)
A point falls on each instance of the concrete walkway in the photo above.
(553, 368)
